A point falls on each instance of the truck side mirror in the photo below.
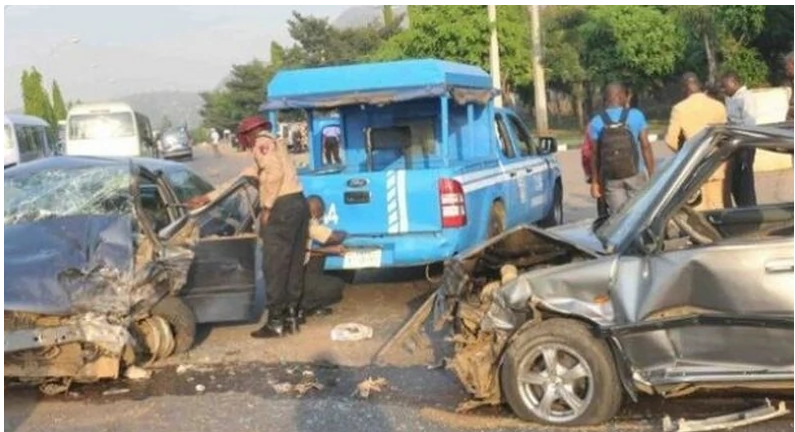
(548, 145)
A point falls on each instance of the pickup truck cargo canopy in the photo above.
(377, 84)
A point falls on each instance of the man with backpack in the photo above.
(623, 160)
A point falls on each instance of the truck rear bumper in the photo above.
(405, 250)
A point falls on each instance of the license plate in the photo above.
(365, 258)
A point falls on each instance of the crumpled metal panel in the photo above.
(68, 265)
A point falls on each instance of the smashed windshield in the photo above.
(101, 126)
(96, 190)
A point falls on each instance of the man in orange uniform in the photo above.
(688, 118)
(285, 223)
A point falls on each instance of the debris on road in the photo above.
(200, 388)
(728, 421)
(370, 385)
(115, 392)
(283, 387)
(137, 373)
(308, 382)
(351, 332)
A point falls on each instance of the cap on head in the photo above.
(248, 125)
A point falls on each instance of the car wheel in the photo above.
(496, 219)
(181, 319)
(555, 215)
(557, 373)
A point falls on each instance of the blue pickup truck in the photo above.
(429, 166)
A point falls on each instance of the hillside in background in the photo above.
(360, 16)
(178, 106)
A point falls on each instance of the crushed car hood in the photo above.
(85, 263)
(578, 234)
(55, 265)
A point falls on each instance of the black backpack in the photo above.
(618, 157)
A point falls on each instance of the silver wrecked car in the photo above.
(661, 299)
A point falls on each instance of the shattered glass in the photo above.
(96, 190)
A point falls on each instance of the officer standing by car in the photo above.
(285, 223)
(623, 159)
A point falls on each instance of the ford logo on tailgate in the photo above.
(357, 183)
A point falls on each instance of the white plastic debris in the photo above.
(200, 388)
(350, 332)
(137, 373)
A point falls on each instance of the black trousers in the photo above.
(743, 188)
(322, 290)
(331, 149)
(284, 239)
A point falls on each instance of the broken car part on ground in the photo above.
(657, 299)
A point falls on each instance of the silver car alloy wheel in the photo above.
(555, 383)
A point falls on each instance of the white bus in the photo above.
(26, 138)
(110, 129)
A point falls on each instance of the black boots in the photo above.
(293, 320)
(280, 324)
(283, 323)
(323, 311)
(274, 328)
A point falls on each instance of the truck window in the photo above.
(411, 139)
(525, 144)
(503, 138)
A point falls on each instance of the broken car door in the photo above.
(224, 283)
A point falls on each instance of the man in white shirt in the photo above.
(740, 110)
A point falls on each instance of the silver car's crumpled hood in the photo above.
(578, 234)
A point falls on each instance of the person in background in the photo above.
(623, 159)
(740, 110)
(688, 117)
(321, 290)
(587, 153)
(331, 144)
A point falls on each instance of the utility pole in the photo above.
(494, 55)
(542, 123)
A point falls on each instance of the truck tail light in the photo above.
(453, 203)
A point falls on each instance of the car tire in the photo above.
(181, 319)
(576, 352)
(496, 225)
(555, 215)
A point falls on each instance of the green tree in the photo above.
(721, 35)
(35, 97)
(58, 106)
(637, 45)
(318, 43)
(461, 33)
(563, 46)
(240, 97)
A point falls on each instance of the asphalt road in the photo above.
(233, 383)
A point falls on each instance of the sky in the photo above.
(100, 52)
